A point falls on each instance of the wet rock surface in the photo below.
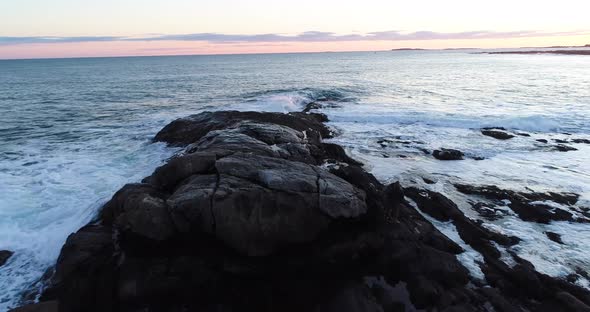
(249, 218)
(4, 256)
(530, 206)
(447, 154)
(497, 133)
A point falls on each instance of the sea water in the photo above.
(73, 131)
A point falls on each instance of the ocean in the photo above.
(73, 131)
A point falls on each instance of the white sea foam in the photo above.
(534, 123)
(280, 103)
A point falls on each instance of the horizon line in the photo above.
(272, 53)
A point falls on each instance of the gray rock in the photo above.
(184, 131)
(190, 204)
(226, 142)
(337, 197)
(258, 204)
(271, 133)
(246, 216)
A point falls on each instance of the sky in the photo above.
(82, 28)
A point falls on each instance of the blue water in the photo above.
(72, 131)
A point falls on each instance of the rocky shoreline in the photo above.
(258, 213)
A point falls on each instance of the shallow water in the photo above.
(74, 131)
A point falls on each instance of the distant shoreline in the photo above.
(565, 52)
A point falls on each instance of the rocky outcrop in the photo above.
(497, 133)
(4, 256)
(257, 213)
(531, 206)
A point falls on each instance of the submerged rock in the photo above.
(497, 134)
(447, 154)
(581, 141)
(554, 237)
(564, 148)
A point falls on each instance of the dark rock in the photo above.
(49, 306)
(354, 298)
(180, 168)
(581, 141)
(140, 211)
(560, 141)
(85, 271)
(540, 213)
(488, 211)
(447, 154)
(394, 195)
(524, 134)
(312, 106)
(441, 208)
(428, 181)
(571, 303)
(4, 256)
(564, 148)
(497, 134)
(554, 237)
(542, 141)
(334, 152)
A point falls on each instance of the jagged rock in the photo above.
(528, 206)
(447, 154)
(4, 256)
(542, 141)
(441, 208)
(497, 134)
(581, 141)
